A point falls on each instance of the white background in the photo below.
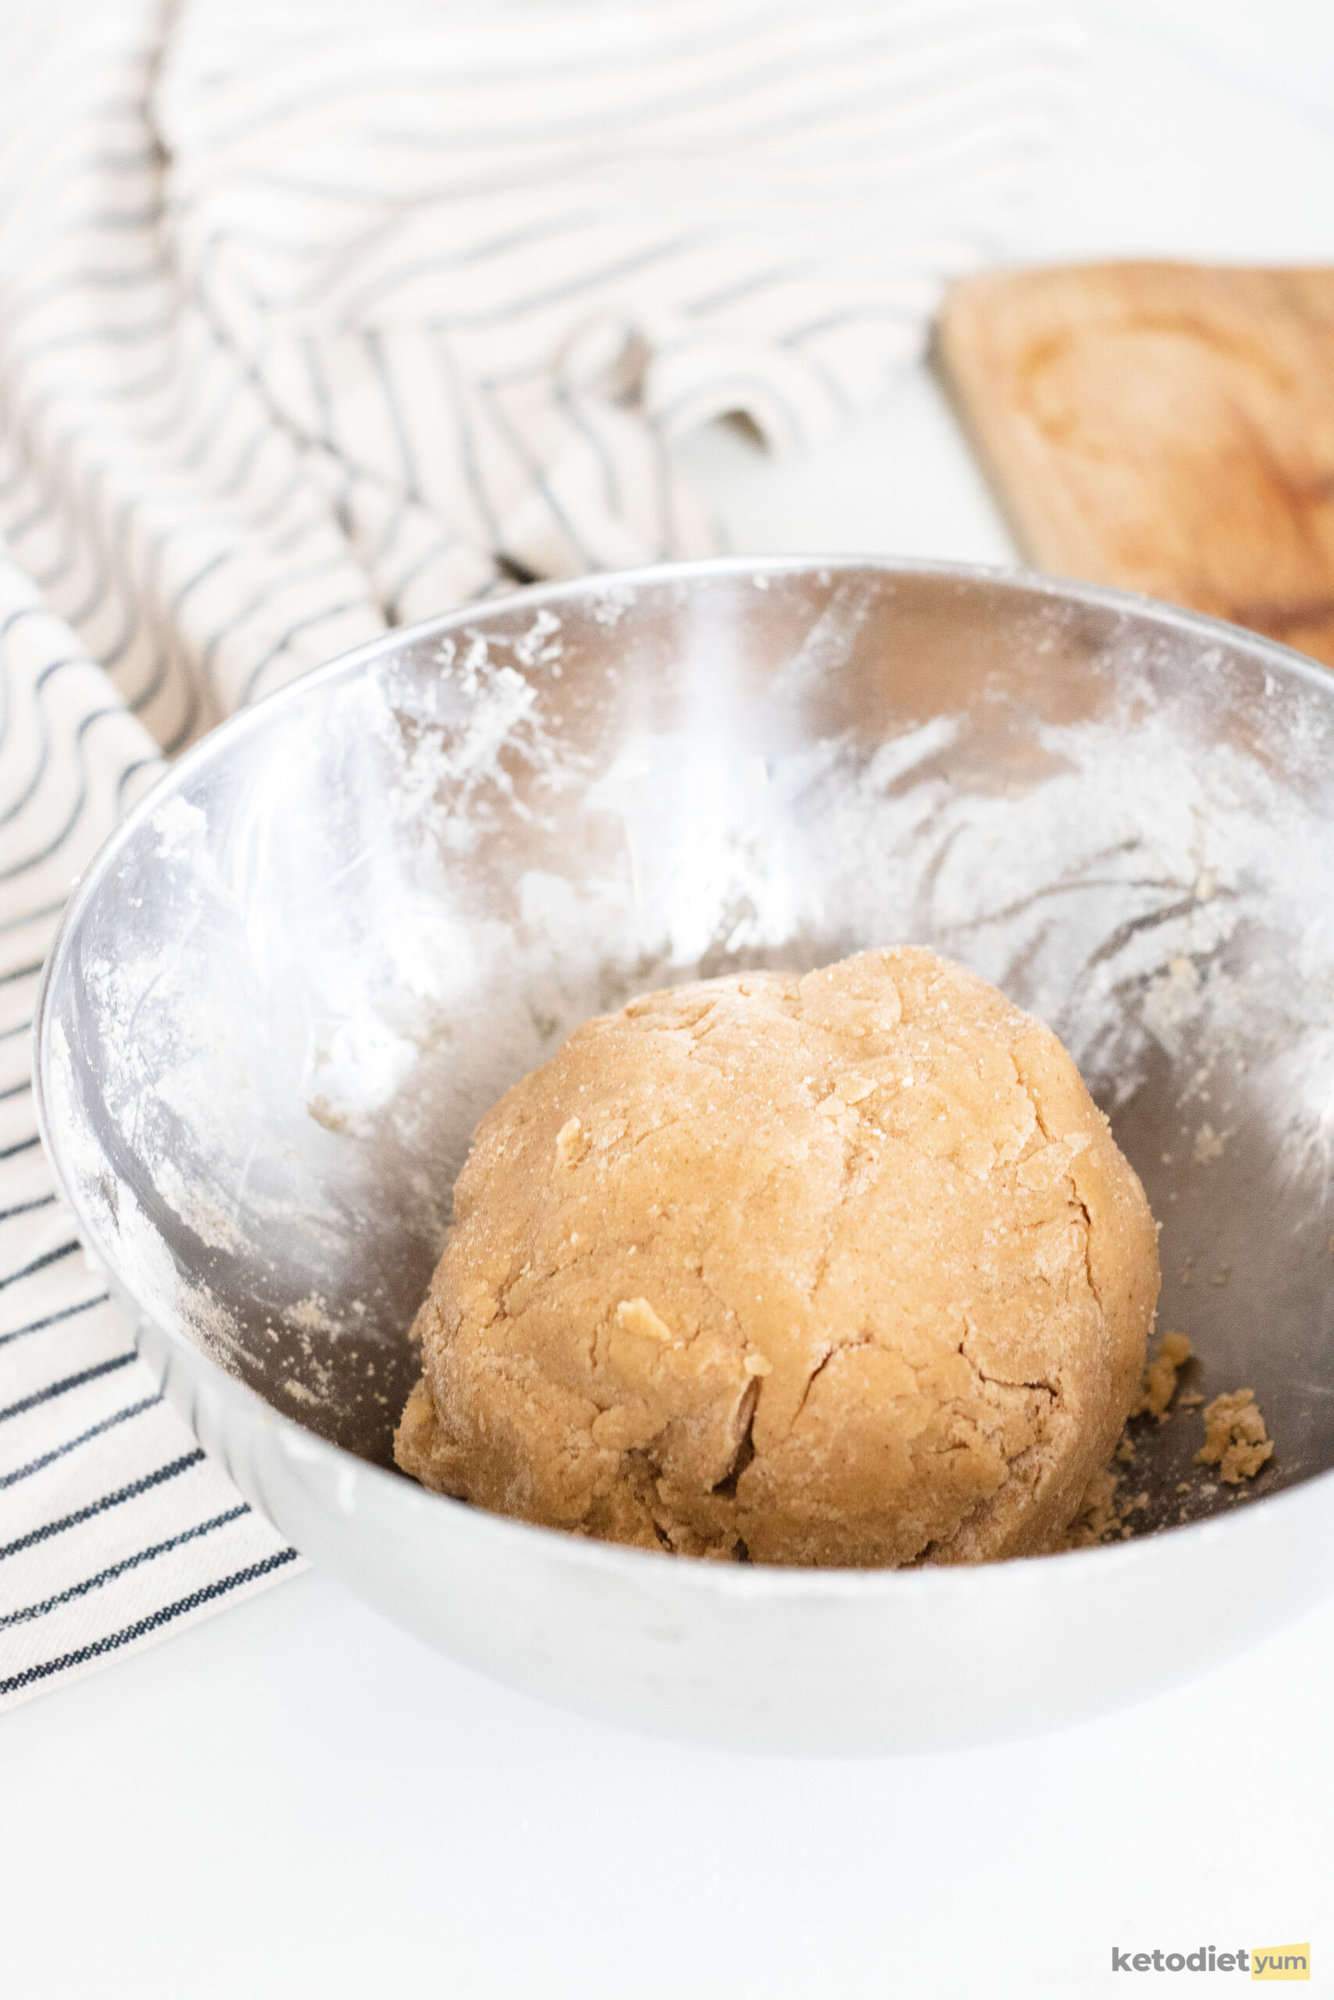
(293, 1799)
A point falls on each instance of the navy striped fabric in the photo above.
(314, 320)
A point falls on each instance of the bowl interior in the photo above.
(344, 924)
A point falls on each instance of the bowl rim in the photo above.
(300, 1442)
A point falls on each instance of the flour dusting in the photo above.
(307, 987)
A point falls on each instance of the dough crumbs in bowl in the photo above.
(1236, 1438)
(1160, 1377)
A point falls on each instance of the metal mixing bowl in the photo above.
(344, 923)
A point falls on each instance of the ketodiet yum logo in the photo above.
(1268, 1961)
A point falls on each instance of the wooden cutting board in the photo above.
(1166, 427)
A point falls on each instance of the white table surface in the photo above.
(295, 1799)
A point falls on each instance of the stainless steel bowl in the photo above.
(340, 926)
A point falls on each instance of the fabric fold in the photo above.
(314, 323)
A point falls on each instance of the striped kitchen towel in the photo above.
(314, 319)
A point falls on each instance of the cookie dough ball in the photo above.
(839, 1269)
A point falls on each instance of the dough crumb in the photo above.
(1098, 1517)
(1105, 1513)
(1160, 1377)
(1236, 1440)
(638, 1316)
(755, 1364)
(571, 1143)
(1235, 1437)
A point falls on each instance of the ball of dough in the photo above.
(840, 1269)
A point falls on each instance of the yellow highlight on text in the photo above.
(1280, 1961)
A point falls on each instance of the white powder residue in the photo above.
(1209, 1145)
(541, 642)
(401, 912)
(354, 1069)
(609, 600)
(312, 1313)
(294, 1387)
(178, 826)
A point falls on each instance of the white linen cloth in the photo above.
(318, 318)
